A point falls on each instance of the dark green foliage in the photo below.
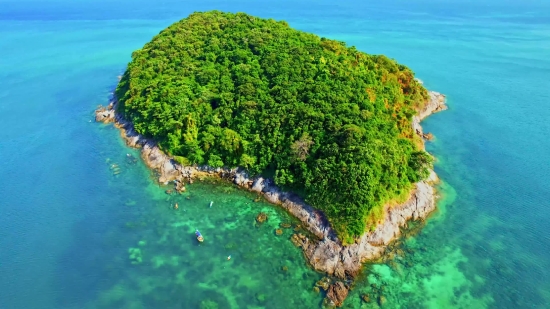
(326, 120)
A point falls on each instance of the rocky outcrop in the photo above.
(105, 114)
(435, 103)
(325, 252)
(330, 256)
(337, 293)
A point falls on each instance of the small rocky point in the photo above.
(105, 114)
(337, 293)
(261, 217)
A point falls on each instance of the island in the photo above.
(328, 132)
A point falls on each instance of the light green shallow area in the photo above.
(163, 264)
(160, 262)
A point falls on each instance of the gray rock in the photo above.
(104, 115)
(241, 179)
(258, 185)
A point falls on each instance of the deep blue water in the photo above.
(67, 222)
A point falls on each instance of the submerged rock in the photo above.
(208, 304)
(135, 255)
(428, 136)
(299, 240)
(231, 246)
(337, 293)
(260, 297)
(323, 283)
(382, 300)
(261, 217)
(180, 187)
(285, 225)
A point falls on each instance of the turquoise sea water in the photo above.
(68, 220)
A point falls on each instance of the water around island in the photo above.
(82, 224)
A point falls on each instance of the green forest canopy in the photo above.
(324, 120)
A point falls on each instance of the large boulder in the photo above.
(104, 115)
(241, 179)
(168, 171)
(258, 185)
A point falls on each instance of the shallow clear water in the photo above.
(67, 222)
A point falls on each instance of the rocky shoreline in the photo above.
(326, 253)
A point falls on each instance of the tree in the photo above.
(300, 148)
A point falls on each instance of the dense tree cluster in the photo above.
(324, 120)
